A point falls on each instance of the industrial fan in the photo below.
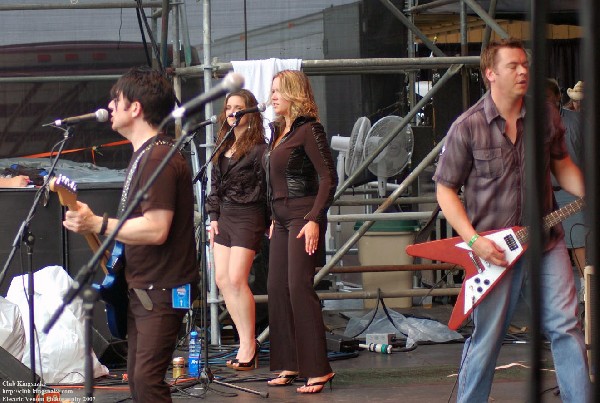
(351, 148)
(395, 156)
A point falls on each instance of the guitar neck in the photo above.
(94, 243)
(553, 218)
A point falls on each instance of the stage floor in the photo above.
(425, 374)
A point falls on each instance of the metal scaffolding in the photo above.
(209, 70)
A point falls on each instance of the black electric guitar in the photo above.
(114, 292)
(113, 289)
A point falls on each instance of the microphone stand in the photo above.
(25, 235)
(206, 376)
(82, 282)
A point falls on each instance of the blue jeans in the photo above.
(559, 323)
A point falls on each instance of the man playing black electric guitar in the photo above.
(159, 243)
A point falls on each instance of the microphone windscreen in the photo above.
(102, 115)
(233, 82)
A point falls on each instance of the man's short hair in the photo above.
(151, 89)
(488, 54)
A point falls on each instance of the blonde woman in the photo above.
(301, 180)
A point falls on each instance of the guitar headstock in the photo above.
(66, 189)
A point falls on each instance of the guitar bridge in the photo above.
(476, 262)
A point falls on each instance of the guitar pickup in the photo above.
(511, 242)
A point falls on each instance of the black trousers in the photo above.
(151, 341)
(297, 332)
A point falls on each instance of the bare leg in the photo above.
(238, 297)
(222, 254)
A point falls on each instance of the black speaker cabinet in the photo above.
(16, 379)
(45, 227)
(53, 245)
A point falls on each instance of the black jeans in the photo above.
(151, 341)
(297, 332)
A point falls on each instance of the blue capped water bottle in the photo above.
(194, 354)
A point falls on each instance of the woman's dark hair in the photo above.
(253, 136)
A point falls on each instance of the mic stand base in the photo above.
(206, 377)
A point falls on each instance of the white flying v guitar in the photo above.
(480, 275)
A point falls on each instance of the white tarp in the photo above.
(12, 333)
(62, 349)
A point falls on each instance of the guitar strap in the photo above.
(423, 234)
(131, 173)
(142, 294)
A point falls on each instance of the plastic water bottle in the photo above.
(194, 354)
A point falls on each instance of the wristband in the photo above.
(105, 224)
(473, 239)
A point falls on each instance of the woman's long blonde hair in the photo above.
(295, 88)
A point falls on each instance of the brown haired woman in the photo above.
(301, 180)
(237, 207)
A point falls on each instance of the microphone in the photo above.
(232, 82)
(101, 115)
(191, 132)
(239, 114)
(212, 120)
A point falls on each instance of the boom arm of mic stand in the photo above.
(204, 167)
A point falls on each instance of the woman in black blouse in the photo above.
(237, 207)
(301, 179)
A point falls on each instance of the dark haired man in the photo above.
(159, 243)
(484, 152)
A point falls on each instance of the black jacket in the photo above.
(242, 183)
(301, 165)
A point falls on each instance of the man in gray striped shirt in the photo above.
(484, 153)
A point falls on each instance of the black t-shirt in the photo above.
(174, 262)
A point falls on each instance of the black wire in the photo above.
(139, 18)
(438, 284)
(144, 20)
(370, 320)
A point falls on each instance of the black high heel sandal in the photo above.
(289, 379)
(247, 366)
(229, 363)
(321, 384)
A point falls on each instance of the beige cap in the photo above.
(576, 93)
